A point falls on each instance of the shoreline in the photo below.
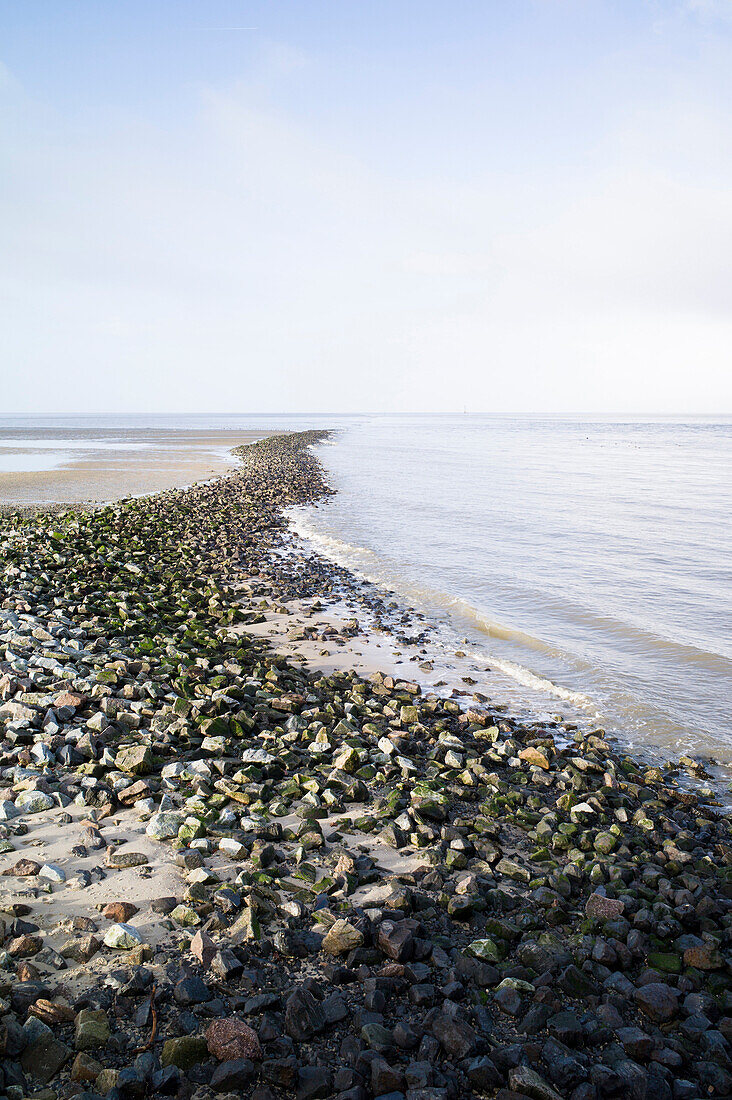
(164, 459)
(321, 881)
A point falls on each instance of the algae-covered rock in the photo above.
(135, 759)
(184, 1052)
(164, 825)
(341, 938)
(486, 949)
(33, 802)
(429, 803)
(91, 1029)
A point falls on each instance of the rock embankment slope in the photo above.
(222, 874)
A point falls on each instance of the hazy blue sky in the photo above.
(390, 206)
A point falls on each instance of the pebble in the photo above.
(556, 916)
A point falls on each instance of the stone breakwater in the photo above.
(222, 874)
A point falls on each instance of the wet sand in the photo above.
(145, 461)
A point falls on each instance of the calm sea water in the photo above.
(589, 564)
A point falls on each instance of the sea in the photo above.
(585, 565)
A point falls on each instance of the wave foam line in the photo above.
(342, 554)
(529, 679)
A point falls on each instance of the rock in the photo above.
(82, 949)
(636, 1044)
(185, 916)
(91, 1030)
(657, 1001)
(24, 947)
(70, 699)
(576, 982)
(429, 803)
(51, 1013)
(342, 938)
(348, 760)
(704, 957)
(191, 991)
(566, 1027)
(135, 759)
(385, 1079)
(120, 860)
(203, 948)
(52, 873)
(163, 905)
(455, 1036)
(509, 1000)
(225, 964)
(231, 1039)
(513, 870)
(34, 802)
(184, 1052)
(44, 1057)
(396, 940)
(605, 843)
(257, 756)
(85, 1068)
(246, 928)
(106, 1081)
(313, 1082)
(164, 825)
(233, 1076)
(483, 1075)
(128, 796)
(598, 907)
(304, 1015)
(527, 1081)
(377, 1037)
(122, 937)
(24, 868)
(119, 911)
(486, 949)
(535, 757)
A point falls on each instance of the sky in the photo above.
(377, 206)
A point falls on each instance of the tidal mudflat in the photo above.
(77, 466)
(226, 869)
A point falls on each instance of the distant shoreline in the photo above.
(170, 460)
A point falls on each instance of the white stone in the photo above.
(34, 802)
(232, 848)
(42, 754)
(165, 825)
(257, 756)
(213, 744)
(191, 769)
(122, 937)
(52, 872)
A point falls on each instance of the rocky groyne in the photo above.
(222, 874)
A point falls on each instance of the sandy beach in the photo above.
(250, 842)
(159, 459)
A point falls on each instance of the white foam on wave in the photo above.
(529, 679)
(357, 558)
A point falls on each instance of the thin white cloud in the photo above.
(244, 260)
